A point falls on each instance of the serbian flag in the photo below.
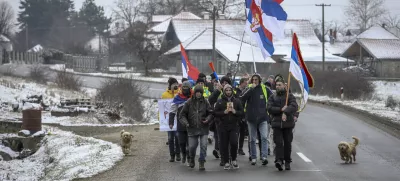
(188, 70)
(299, 71)
(265, 19)
(211, 64)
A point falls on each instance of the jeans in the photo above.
(194, 142)
(263, 128)
(183, 142)
(229, 143)
(283, 139)
(173, 143)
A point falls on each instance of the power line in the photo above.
(323, 33)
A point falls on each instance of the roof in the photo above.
(377, 32)
(160, 18)
(4, 38)
(163, 26)
(337, 47)
(376, 41)
(227, 46)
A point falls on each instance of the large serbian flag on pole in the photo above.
(299, 71)
(188, 70)
(265, 19)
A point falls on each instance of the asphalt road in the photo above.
(317, 134)
(151, 89)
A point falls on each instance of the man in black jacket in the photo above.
(242, 124)
(283, 122)
(195, 116)
(255, 98)
(229, 110)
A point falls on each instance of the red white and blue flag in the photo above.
(188, 70)
(265, 19)
(299, 71)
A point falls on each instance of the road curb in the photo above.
(377, 119)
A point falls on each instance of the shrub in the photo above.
(127, 92)
(68, 81)
(329, 84)
(38, 74)
(391, 102)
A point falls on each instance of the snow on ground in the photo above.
(377, 104)
(14, 90)
(63, 156)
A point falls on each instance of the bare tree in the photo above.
(6, 18)
(364, 13)
(141, 46)
(329, 25)
(128, 10)
(392, 21)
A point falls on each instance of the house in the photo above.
(196, 37)
(377, 48)
(98, 44)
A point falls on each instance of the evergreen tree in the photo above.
(94, 16)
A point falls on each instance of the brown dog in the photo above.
(347, 150)
(126, 142)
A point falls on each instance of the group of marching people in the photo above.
(261, 109)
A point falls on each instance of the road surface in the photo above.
(151, 89)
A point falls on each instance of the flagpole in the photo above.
(287, 89)
(254, 61)
(240, 49)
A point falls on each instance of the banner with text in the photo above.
(164, 106)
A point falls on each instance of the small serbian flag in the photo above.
(188, 70)
(265, 19)
(211, 64)
(299, 71)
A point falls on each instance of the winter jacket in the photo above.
(176, 107)
(229, 120)
(193, 113)
(255, 102)
(169, 94)
(275, 104)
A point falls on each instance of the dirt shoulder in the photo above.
(147, 149)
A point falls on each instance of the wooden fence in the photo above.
(86, 63)
(20, 57)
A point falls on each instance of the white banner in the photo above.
(164, 106)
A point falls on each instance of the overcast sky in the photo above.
(296, 9)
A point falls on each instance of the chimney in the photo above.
(222, 16)
(335, 34)
(384, 25)
(330, 32)
(206, 15)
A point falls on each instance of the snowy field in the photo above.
(14, 90)
(62, 156)
(377, 104)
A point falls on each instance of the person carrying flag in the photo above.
(283, 122)
(176, 107)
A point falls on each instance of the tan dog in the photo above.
(126, 141)
(347, 150)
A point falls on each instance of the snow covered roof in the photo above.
(160, 18)
(4, 38)
(378, 33)
(163, 26)
(337, 47)
(378, 42)
(36, 48)
(226, 45)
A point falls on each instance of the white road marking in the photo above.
(302, 156)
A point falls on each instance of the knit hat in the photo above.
(186, 84)
(256, 75)
(199, 88)
(184, 79)
(227, 86)
(226, 79)
(171, 81)
(279, 78)
(271, 76)
(213, 76)
(200, 80)
(202, 75)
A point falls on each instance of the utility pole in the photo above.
(213, 51)
(26, 37)
(323, 33)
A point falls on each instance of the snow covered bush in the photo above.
(391, 102)
(68, 81)
(38, 74)
(329, 84)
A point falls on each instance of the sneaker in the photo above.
(253, 161)
(192, 164)
(216, 154)
(172, 159)
(269, 151)
(227, 166)
(235, 165)
(278, 165)
(210, 140)
(287, 165)
(249, 158)
(183, 159)
(178, 157)
(221, 163)
(264, 161)
(240, 152)
(201, 166)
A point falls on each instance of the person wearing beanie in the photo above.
(176, 107)
(195, 116)
(283, 122)
(214, 125)
(202, 82)
(255, 97)
(229, 111)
